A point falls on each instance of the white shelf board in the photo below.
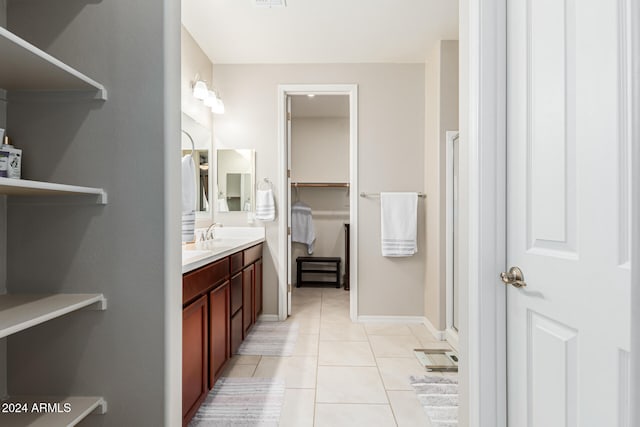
(22, 311)
(27, 68)
(23, 187)
(80, 408)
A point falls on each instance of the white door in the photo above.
(288, 142)
(568, 330)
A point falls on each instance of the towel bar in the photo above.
(363, 194)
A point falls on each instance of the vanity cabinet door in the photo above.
(236, 331)
(219, 320)
(258, 289)
(247, 298)
(194, 357)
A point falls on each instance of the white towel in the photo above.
(188, 184)
(399, 220)
(265, 205)
(223, 206)
(188, 198)
(302, 230)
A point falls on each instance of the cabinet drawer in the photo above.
(200, 281)
(236, 262)
(236, 331)
(236, 293)
(252, 254)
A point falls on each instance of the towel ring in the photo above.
(193, 144)
(265, 184)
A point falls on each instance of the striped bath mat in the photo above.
(241, 402)
(439, 397)
(270, 339)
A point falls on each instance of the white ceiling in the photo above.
(320, 106)
(313, 31)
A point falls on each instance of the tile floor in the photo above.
(343, 373)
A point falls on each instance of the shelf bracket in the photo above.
(98, 305)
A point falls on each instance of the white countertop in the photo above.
(228, 240)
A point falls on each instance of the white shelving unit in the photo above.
(22, 311)
(55, 415)
(23, 187)
(27, 68)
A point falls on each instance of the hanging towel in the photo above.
(223, 206)
(399, 220)
(265, 205)
(188, 198)
(302, 230)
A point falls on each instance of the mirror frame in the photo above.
(203, 140)
(252, 160)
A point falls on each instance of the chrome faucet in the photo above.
(210, 233)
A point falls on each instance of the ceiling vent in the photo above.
(270, 3)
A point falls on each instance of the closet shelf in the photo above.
(27, 68)
(321, 184)
(22, 311)
(23, 187)
(79, 407)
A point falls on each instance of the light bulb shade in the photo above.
(200, 90)
(210, 100)
(218, 107)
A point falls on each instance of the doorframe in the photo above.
(283, 91)
(451, 333)
(482, 334)
(634, 31)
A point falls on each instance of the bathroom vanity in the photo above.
(221, 300)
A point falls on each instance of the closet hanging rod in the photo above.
(421, 195)
(321, 184)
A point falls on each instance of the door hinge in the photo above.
(288, 173)
(288, 231)
(289, 287)
(288, 116)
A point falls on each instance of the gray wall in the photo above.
(125, 146)
(391, 146)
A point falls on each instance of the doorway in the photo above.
(286, 282)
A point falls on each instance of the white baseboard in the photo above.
(268, 318)
(390, 319)
(438, 334)
(452, 338)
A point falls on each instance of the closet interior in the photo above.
(319, 190)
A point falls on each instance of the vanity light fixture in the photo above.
(200, 90)
(218, 107)
(210, 100)
(311, 95)
(209, 97)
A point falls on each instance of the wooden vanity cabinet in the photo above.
(194, 356)
(221, 301)
(258, 289)
(251, 286)
(248, 282)
(236, 311)
(219, 330)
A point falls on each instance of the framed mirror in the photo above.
(235, 186)
(201, 151)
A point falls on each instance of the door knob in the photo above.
(513, 277)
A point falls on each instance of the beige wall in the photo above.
(391, 144)
(194, 61)
(320, 149)
(441, 115)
